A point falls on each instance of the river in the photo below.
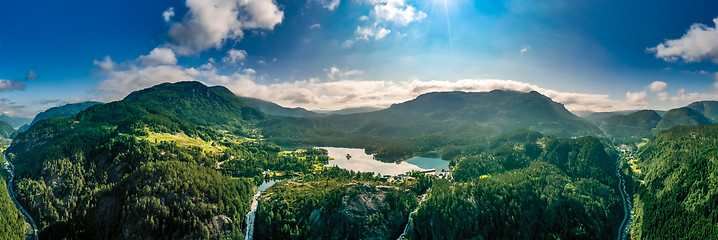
(252, 214)
(11, 170)
(627, 204)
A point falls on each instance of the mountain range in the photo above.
(183, 160)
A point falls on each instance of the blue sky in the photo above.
(331, 54)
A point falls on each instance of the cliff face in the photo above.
(352, 211)
(358, 214)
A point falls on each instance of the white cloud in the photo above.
(209, 23)
(235, 56)
(397, 12)
(168, 14)
(386, 14)
(348, 44)
(315, 26)
(119, 83)
(31, 75)
(335, 73)
(158, 56)
(367, 33)
(331, 5)
(699, 43)
(157, 67)
(657, 86)
(637, 99)
(663, 96)
(681, 97)
(524, 50)
(11, 85)
(106, 64)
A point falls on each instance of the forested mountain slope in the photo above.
(145, 167)
(678, 196)
(638, 124)
(63, 111)
(533, 188)
(682, 117)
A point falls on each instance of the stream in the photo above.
(411, 214)
(627, 204)
(252, 214)
(11, 170)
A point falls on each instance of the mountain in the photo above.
(707, 108)
(682, 116)
(147, 167)
(15, 122)
(637, 124)
(678, 191)
(431, 122)
(196, 103)
(597, 117)
(6, 131)
(12, 224)
(351, 110)
(521, 190)
(499, 110)
(277, 110)
(63, 111)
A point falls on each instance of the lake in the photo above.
(362, 162)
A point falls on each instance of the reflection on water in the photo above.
(362, 162)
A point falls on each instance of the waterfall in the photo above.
(411, 214)
(252, 214)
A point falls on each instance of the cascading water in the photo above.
(411, 214)
(252, 214)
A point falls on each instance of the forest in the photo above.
(678, 194)
(183, 160)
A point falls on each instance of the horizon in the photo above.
(325, 55)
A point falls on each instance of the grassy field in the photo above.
(183, 140)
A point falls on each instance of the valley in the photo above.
(522, 167)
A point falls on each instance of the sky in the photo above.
(334, 54)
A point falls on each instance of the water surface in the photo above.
(362, 162)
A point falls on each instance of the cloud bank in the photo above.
(696, 45)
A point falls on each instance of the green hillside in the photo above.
(678, 196)
(682, 117)
(6, 131)
(165, 162)
(707, 108)
(540, 189)
(634, 125)
(12, 224)
(63, 111)
(274, 109)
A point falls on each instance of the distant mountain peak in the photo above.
(684, 116)
(707, 108)
(66, 110)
